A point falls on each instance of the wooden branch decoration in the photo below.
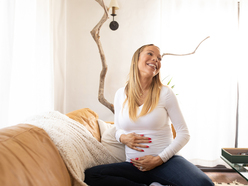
(188, 53)
(95, 34)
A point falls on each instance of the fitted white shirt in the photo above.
(155, 125)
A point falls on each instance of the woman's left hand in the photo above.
(147, 163)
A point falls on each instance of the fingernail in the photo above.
(136, 158)
(142, 150)
(149, 138)
(150, 141)
(141, 134)
(147, 146)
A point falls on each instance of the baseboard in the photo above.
(217, 168)
(228, 184)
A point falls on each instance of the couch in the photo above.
(29, 157)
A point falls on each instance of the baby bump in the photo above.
(157, 145)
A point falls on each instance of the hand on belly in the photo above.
(135, 141)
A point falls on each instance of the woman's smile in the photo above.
(154, 66)
(149, 61)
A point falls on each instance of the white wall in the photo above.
(138, 25)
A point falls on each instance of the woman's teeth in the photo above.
(152, 65)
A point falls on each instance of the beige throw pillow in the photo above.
(108, 140)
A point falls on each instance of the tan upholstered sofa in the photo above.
(28, 156)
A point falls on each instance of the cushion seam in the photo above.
(33, 128)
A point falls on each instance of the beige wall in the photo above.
(77, 84)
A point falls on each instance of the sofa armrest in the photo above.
(29, 157)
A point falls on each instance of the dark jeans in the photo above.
(177, 172)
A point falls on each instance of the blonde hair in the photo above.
(133, 89)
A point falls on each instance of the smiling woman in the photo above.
(142, 111)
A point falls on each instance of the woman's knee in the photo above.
(205, 180)
(180, 171)
(91, 175)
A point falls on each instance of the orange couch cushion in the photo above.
(89, 119)
(29, 157)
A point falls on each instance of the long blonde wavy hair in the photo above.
(133, 89)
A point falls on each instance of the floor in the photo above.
(226, 177)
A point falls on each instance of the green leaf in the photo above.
(169, 81)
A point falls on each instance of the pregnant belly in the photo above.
(156, 147)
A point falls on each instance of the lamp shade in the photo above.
(114, 3)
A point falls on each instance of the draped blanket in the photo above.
(76, 145)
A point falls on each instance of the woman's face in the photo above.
(149, 62)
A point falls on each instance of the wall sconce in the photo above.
(114, 6)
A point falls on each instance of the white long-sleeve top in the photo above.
(154, 125)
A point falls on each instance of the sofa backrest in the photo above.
(29, 157)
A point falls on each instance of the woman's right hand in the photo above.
(133, 141)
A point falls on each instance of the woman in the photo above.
(142, 111)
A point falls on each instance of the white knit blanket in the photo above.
(78, 148)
